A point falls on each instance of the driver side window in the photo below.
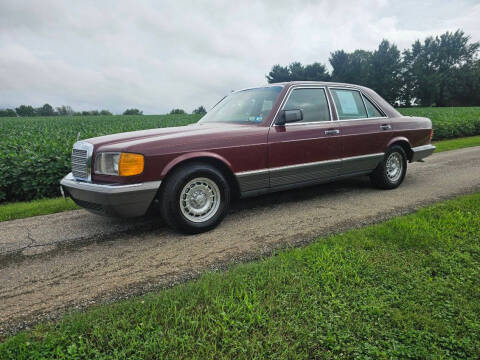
(313, 103)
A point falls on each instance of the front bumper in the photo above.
(421, 152)
(113, 200)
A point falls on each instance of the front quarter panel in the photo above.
(241, 149)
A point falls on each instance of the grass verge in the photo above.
(406, 288)
(20, 210)
(460, 143)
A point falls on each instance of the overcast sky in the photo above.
(158, 55)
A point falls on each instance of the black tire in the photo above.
(381, 177)
(174, 184)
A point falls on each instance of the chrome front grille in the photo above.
(81, 160)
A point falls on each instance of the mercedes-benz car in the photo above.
(254, 141)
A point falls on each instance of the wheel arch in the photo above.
(206, 157)
(404, 143)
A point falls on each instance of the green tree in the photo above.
(432, 67)
(177, 111)
(64, 110)
(278, 74)
(200, 110)
(315, 72)
(132, 112)
(45, 110)
(353, 68)
(7, 113)
(105, 112)
(25, 110)
(385, 71)
(296, 72)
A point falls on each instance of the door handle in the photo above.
(332, 132)
(386, 127)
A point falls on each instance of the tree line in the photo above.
(438, 71)
(48, 110)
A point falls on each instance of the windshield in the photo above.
(246, 106)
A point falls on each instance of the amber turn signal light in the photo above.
(130, 164)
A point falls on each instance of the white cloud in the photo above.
(158, 55)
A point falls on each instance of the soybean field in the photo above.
(35, 152)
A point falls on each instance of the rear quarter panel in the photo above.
(416, 130)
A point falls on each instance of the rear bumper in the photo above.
(112, 200)
(421, 152)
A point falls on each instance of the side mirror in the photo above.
(289, 116)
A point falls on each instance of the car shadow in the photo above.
(153, 221)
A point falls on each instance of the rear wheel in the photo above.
(390, 173)
(195, 198)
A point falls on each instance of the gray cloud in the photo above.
(157, 55)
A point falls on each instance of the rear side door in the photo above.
(307, 151)
(365, 130)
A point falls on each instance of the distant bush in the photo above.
(65, 110)
(200, 110)
(177, 112)
(132, 112)
(25, 110)
(48, 110)
(7, 113)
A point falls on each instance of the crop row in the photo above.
(35, 152)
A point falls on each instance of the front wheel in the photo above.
(195, 198)
(390, 173)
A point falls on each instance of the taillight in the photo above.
(431, 134)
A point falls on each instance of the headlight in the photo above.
(120, 164)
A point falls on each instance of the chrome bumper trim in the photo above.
(69, 181)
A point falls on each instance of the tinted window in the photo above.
(313, 103)
(372, 109)
(349, 104)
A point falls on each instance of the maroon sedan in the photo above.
(254, 141)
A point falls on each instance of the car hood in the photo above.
(132, 141)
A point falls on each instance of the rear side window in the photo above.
(372, 110)
(313, 103)
(349, 104)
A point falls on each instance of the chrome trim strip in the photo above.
(279, 168)
(362, 156)
(363, 119)
(287, 96)
(69, 181)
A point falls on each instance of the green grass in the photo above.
(460, 143)
(20, 210)
(407, 288)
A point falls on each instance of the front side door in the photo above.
(365, 130)
(309, 150)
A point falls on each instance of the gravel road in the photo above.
(54, 263)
